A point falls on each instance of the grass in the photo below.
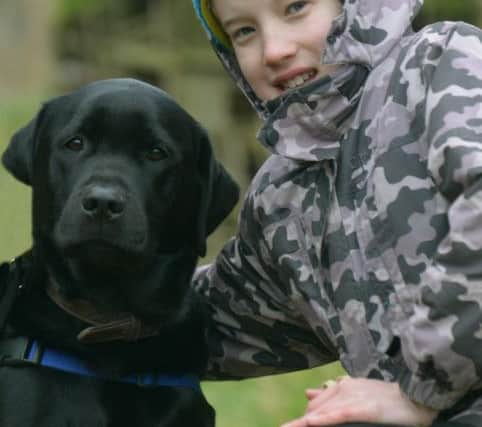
(14, 197)
(265, 402)
(262, 402)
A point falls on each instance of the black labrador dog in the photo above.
(100, 325)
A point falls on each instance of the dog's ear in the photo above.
(219, 193)
(18, 157)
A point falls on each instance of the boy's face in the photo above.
(278, 43)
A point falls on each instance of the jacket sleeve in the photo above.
(255, 327)
(442, 343)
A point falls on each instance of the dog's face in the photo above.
(121, 177)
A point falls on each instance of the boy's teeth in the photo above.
(297, 81)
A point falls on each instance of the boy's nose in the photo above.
(277, 49)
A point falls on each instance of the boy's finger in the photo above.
(300, 422)
(311, 393)
(321, 398)
(295, 423)
(329, 384)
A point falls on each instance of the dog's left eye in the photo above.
(75, 144)
(156, 154)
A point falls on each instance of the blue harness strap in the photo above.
(56, 359)
(21, 351)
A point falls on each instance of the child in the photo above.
(360, 238)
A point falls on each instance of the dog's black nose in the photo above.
(103, 202)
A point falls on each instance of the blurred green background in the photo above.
(51, 46)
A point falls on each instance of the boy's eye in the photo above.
(295, 7)
(241, 33)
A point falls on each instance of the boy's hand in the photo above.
(361, 400)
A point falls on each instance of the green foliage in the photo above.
(75, 9)
(467, 10)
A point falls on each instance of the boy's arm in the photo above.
(257, 328)
(442, 334)
(254, 330)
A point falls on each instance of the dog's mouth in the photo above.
(102, 245)
(104, 240)
(106, 254)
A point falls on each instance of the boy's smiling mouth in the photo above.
(294, 79)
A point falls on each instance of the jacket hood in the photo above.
(360, 37)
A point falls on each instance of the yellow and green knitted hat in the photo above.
(211, 24)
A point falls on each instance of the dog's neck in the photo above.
(106, 324)
(127, 306)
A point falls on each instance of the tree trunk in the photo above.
(26, 46)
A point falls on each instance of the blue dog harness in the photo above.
(21, 351)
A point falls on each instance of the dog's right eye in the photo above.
(156, 154)
(75, 144)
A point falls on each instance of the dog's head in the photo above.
(121, 174)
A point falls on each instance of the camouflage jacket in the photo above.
(360, 238)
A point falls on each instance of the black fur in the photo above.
(125, 190)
